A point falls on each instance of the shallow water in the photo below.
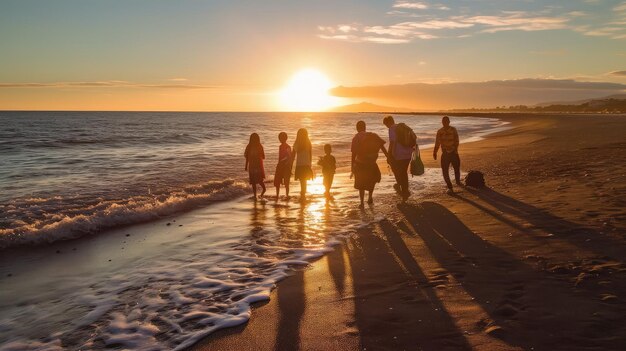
(181, 275)
(68, 174)
(159, 287)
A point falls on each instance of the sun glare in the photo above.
(307, 90)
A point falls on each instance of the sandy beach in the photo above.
(533, 262)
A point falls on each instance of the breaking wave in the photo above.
(91, 217)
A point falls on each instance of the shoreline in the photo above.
(541, 247)
(373, 285)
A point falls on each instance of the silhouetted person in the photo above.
(365, 147)
(329, 165)
(254, 162)
(399, 159)
(302, 154)
(282, 176)
(448, 139)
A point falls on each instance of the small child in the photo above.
(329, 164)
(254, 162)
(283, 168)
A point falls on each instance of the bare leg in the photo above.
(370, 200)
(362, 196)
(302, 187)
(287, 188)
(263, 187)
(277, 192)
(254, 190)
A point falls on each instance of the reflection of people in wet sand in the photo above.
(365, 147)
(283, 168)
(302, 154)
(448, 139)
(329, 165)
(254, 163)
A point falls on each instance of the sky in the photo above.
(194, 55)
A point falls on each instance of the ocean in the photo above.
(126, 183)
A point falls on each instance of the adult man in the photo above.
(448, 139)
(400, 158)
(365, 147)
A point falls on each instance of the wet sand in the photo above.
(533, 262)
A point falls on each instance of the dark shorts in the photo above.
(282, 174)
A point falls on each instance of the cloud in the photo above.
(429, 23)
(518, 21)
(618, 73)
(480, 94)
(621, 7)
(105, 84)
(438, 24)
(410, 5)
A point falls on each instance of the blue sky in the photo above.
(231, 54)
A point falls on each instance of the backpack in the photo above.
(417, 166)
(405, 135)
(475, 179)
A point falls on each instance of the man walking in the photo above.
(448, 139)
(400, 158)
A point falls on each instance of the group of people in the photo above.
(365, 149)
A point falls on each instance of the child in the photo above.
(283, 168)
(302, 154)
(328, 164)
(254, 162)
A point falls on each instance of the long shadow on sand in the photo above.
(291, 297)
(527, 309)
(581, 236)
(395, 307)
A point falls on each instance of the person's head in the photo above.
(445, 121)
(360, 126)
(388, 121)
(328, 149)
(255, 139)
(303, 134)
(282, 137)
(302, 138)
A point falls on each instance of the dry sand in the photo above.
(534, 262)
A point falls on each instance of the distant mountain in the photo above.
(611, 104)
(580, 102)
(367, 107)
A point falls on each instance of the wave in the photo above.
(109, 214)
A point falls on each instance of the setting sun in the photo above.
(307, 90)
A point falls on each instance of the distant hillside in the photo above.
(580, 102)
(610, 105)
(367, 107)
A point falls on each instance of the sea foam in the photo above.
(103, 215)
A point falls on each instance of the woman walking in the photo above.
(254, 163)
(365, 147)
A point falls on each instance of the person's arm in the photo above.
(262, 153)
(383, 149)
(246, 155)
(456, 141)
(437, 143)
(352, 164)
(311, 155)
(392, 144)
(293, 154)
